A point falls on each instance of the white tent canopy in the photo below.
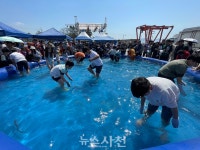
(103, 37)
(83, 36)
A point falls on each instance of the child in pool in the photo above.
(58, 71)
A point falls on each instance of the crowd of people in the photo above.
(38, 50)
(51, 51)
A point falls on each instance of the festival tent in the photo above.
(52, 34)
(6, 30)
(103, 37)
(2, 33)
(83, 36)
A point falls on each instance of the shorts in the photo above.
(112, 57)
(98, 68)
(21, 65)
(56, 79)
(166, 113)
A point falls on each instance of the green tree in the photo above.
(71, 31)
(88, 31)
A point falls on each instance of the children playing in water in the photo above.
(58, 71)
(95, 62)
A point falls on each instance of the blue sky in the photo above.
(123, 16)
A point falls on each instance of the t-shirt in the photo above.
(79, 55)
(174, 69)
(164, 92)
(112, 52)
(57, 70)
(17, 57)
(96, 62)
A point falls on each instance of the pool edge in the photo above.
(7, 143)
(190, 144)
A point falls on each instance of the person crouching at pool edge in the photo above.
(176, 69)
(159, 92)
(58, 71)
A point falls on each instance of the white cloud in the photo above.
(19, 24)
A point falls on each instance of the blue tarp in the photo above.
(52, 34)
(6, 30)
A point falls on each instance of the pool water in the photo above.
(92, 114)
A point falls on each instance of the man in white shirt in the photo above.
(159, 92)
(95, 62)
(20, 62)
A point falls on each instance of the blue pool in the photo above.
(92, 114)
